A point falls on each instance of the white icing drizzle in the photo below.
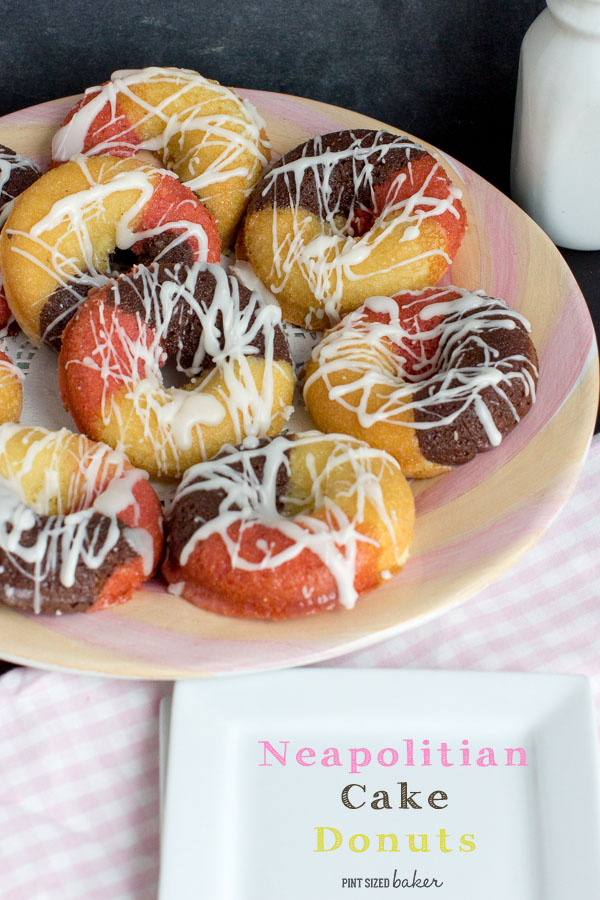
(335, 538)
(77, 211)
(102, 483)
(172, 419)
(387, 360)
(329, 260)
(234, 135)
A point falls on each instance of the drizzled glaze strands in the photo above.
(58, 240)
(434, 377)
(79, 527)
(349, 215)
(209, 136)
(289, 527)
(215, 331)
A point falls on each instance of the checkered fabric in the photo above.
(79, 814)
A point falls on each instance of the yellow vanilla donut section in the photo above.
(204, 132)
(11, 390)
(166, 430)
(321, 391)
(337, 471)
(292, 256)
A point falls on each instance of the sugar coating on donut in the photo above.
(220, 336)
(288, 527)
(435, 376)
(348, 215)
(58, 240)
(214, 140)
(79, 526)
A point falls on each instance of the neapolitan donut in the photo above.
(11, 390)
(58, 240)
(434, 377)
(349, 215)
(222, 337)
(209, 136)
(288, 527)
(80, 528)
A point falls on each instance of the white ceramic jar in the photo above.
(555, 173)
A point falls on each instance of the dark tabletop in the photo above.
(444, 70)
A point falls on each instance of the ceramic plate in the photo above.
(241, 823)
(472, 524)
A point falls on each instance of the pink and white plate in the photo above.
(471, 524)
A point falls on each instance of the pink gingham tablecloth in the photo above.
(79, 803)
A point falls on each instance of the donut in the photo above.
(349, 215)
(16, 174)
(59, 239)
(288, 527)
(214, 330)
(434, 377)
(209, 136)
(80, 528)
(11, 390)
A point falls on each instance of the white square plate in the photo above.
(236, 829)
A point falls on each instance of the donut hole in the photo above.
(172, 375)
(121, 261)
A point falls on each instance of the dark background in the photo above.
(445, 70)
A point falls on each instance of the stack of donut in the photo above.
(172, 368)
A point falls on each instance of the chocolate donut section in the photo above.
(61, 305)
(186, 307)
(451, 432)
(335, 174)
(16, 174)
(41, 570)
(202, 501)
